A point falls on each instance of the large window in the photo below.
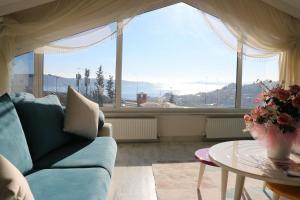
(84, 70)
(172, 58)
(262, 69)
(23, 73)
(166, 58)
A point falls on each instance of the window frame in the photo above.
(117, 107)
(118, 85)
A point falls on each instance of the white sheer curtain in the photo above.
(261, 27)
(225, 34)
(83, 40)
(33, 28)
(7, 50)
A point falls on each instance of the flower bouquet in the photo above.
(276, 121)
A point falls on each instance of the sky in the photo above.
(172, 46)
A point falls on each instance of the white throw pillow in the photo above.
(13, 185)
(82, 115)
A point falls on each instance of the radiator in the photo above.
(225, 128)
(134, 128)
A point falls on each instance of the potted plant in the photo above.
(276, 120)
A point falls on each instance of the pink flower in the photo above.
(284, 119)
(271, 106)
(261, 97)
(265, 94)
(258, 112)
(248, 118)
(257, 100)
(296, 101)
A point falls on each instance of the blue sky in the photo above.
(173, 45)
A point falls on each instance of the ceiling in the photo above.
(291, 7)
(10, 6)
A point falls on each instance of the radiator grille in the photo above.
(225, 128)
(134, 128)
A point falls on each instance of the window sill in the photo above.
(129, 112)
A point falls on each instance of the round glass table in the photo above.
(248, 158)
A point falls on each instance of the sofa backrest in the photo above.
(13, 144)
(42, 121)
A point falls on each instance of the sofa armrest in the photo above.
(106, 130)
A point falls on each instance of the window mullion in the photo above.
(118, 80)
(239, 74)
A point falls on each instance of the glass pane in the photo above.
(172, 58)
(254, 69)
(23, 73)
(64, 69)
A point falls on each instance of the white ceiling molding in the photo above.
(291, 7)
(11, 6)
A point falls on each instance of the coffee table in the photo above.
(248, 158)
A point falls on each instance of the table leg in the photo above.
(201, 172)
(224, 183)
(239, 185)
(264, 186)
(275, 196)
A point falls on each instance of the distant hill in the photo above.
(224, 97)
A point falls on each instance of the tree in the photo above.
(110, 88)
(78, 78)
(171, 98)
(99, 85)
(86, 80)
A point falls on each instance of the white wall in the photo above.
(172, 126)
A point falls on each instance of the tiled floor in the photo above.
(133, 178)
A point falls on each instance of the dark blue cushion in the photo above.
(101, 120)
(13, 144)
(42, 121)
(69, 184)
(100, 152)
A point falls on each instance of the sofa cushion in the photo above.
(13, 184)
(100, 152)
(101, 120)
(20, 96)
(42, 121)
(73, 184)
(82, 115)
(13, 144)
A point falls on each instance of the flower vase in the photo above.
(280, 151)
(275, 122)
(278, 144)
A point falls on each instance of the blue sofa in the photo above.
(57, 165)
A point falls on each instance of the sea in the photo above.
(131, 88)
